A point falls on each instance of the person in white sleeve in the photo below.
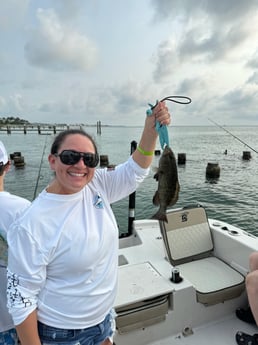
(10, 207)
(63, 252)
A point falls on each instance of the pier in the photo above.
(40, 129)
(43, 128)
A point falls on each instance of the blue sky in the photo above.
(77, 61)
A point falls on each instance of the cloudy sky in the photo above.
(79, 61)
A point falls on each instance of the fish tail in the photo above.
(160, 216)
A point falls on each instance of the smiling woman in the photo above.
(64, 283)
(70, 152)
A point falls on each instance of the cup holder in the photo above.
(233, 232)
(225, 228)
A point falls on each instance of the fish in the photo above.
(168, 184)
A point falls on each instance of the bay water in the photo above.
(232, 197)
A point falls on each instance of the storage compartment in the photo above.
(143, 296)
(142, 314)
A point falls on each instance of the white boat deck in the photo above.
(220, 332)
(145, 273)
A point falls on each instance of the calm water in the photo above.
(232, 198)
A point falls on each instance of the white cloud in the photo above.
(55, 46)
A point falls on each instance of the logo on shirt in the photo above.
(97, 202)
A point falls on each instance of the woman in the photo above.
(62, 284)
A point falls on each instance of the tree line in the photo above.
(12, 120)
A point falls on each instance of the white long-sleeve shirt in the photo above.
(11, 206)
(63, 252)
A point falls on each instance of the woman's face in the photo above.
(71, 178)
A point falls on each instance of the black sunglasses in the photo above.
(70, 157)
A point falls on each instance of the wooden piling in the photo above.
(181, 158)
(98, 127)
(246, 155)
(213, 170)
(103, 161)
(15, 154)
(18, 161)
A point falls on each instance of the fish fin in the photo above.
(160, 216)
(156, 176)
(155, 199)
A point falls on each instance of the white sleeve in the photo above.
(23, 281)
(121, 181)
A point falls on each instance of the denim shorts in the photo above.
(88, 336)
(9, 337)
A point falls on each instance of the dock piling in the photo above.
(98, 127)
(213, 170)
(181, 158)
(131, 211)
(246, 155)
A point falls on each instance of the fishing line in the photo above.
(175, 99)
(234, 136)
(186, 100)
(40, 166)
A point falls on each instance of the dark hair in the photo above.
(60, 138)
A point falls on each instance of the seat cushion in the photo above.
(213, 279)
(187, 235)
(189, 242)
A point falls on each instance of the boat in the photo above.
(181, 282)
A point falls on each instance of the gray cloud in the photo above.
(214, 46)
(166, 61)
(230, 10)
(253, 79)
(211, 32)
(253, 61)
(240, 104)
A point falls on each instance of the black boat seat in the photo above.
(189, 247)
